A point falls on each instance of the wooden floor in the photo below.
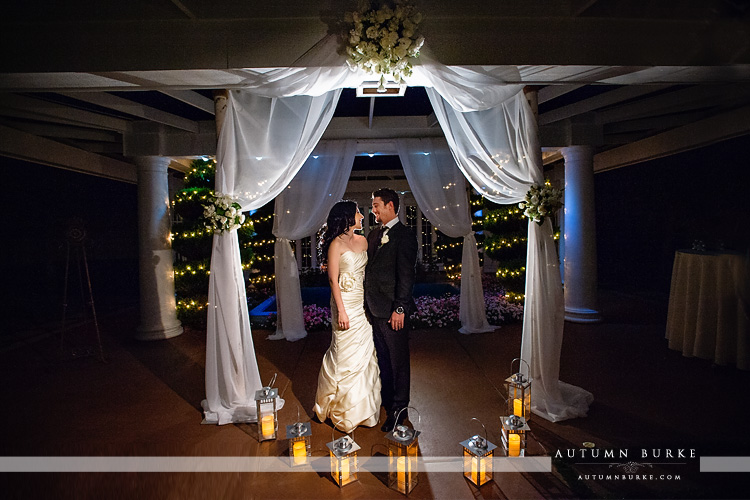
(145, 401)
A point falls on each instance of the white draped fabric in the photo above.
(262, 145)
(301, 209)
(498, 151)
(440, 190)
(264, 142)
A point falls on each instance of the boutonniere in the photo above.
(384, 239)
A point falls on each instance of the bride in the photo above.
(349, 380)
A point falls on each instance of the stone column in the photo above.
(158, 318)
(558, 180)
(580, 236)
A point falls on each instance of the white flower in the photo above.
(347, 281)
(384, 239)
(382, 41)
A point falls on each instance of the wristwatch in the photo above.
(399, 310)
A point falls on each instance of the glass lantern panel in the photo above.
(402, 467)
(344, 470)
(477, 469)
(299, 450)
(514, 442)
(267, 420)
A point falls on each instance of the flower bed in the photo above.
(431, 312)
(443, 311)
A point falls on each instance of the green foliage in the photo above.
(505, 241)
(202, 174)
(192, 243)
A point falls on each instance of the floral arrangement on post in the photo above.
(541, 202)
(382, 41)
(222, 214)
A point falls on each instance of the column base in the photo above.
(158, 334)
(576, 315)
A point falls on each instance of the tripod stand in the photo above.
(75, 237)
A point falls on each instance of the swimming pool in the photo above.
(321, 296)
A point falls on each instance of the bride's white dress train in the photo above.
(349, 380)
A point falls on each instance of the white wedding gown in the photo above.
(349, 380)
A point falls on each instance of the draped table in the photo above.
(708, 307)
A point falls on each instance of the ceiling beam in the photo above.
(479, 37)
(554, 91)
(192, 98)
(134, 108)
(600, 101)
(41, 109)
(64, 131)
(693, 135)
(383, 127)
(686, 99)
(28, 147)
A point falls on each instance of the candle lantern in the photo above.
(299, 442)
(478, 454)
(514, 435)
(265, 406)
(343, 459)
(403, 444)
(518, 388)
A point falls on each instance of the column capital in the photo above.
(578, 152)
(154, 163)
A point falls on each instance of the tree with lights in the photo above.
(505, 242)
(192, 240)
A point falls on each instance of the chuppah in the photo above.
(271, 133)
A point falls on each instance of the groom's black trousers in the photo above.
(392, 348)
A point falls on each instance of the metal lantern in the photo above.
(298, 435)
(343, 459)
(518, 388)
(403, 444)
(478, 453)
(514, 435)
(265, 405)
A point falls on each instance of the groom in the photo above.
(389, 281)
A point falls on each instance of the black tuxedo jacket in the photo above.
(390, 271)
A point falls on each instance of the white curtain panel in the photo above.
(440, 190)
(498, 151)
(301, 210)
(263, 144)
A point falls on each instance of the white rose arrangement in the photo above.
(383, 41)
(385, 239)
(541, 202)
(222, 213)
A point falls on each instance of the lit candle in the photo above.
(514, 445)
(478, 475)
(266, 426)
(518, 407)
(401, 473)
(300, 452)
(344, 470)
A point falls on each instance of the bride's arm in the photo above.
(334, 253)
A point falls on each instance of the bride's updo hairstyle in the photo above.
(340, 219)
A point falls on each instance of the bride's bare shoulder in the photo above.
(361, 242)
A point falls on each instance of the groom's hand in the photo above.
(396, 321)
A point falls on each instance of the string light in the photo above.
(511, 273)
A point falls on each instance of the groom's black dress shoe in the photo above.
(390, 423)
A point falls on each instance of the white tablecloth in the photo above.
(708, 307)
